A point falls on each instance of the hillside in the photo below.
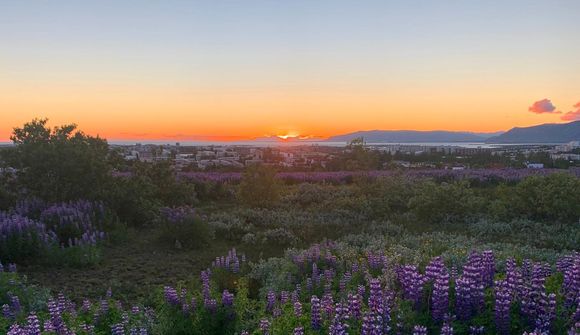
(545, 133)
(395, 136)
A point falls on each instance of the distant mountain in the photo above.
(399, 136)
(545, 133)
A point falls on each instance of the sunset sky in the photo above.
(242, 69)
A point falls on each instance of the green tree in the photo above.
(60, 163)
(259, 186)
(359, 157)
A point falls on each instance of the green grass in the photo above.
(134, 268)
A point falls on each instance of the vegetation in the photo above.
(339, 253)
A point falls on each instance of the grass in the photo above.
(133, 269)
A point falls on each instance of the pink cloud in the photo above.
(572, 115)
(543, 106)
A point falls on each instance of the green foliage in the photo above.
(443, 202)
(59, 164)
(359, 157)
(191, 232)
(138, 197)
(259, 187)
(553, 197)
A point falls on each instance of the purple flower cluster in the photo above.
(76, 223)
(412, 283)
(438, 273)
(507, 174)
(231, 262)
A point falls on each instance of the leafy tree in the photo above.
(60, 163)
(359, 157)
(259, 186)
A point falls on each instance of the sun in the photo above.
(288, 136)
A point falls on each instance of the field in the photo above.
(262, 254)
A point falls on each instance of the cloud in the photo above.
(573, 115)
(543, 106)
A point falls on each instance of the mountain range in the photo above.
(545, 133)
(412, 136)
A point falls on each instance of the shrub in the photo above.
(181, 227)
(259, 187)
(553, 197)
(434, 203)
(23, 239)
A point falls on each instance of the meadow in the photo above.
(152, 251)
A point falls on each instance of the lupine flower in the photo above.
(227, 298)
(297, 309)
(265, 326)
(117, 329)
(503, 298)
(315, 313)
(270, 300)
(419, 330)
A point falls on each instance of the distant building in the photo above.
(535, 165)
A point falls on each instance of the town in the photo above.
(317, 157)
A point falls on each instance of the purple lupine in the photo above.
(571, 285)
(514, 278)
(327, 305)
(171, 296)
(315, 313)
(462, 298)
(32, 324)
(546, 313)
(354, 305)
(376, 296)
(440, 298)
(412, 283)
(205, 286)
(371, 324)
(315, 274)
(270, 300)
(265, 326)
(298, 331)
(284, 296)
(488, 260)
(7, 312)
(503, 298)
(297, 309)
(15, 329)
(419, 330)
(227, 298)
(476, 330)
(338, 327)
(211, 305)
(446, 329)
(117, 329)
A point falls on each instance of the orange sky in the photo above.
(236, 70)
(160, 113)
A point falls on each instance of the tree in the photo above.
(359, 157)
(60, 163)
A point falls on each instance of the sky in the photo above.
(233, 70)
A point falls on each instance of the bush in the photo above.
(23, 239)
(553, 197)
(434, 203)
(181, 227)
(259, 187)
